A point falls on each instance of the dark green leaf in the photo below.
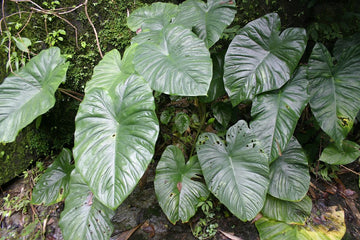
(289, 174)
(182, 122)
(236, 173)
(166, 116)
(84, 217)
(348, 153)
(53, 185)
(222, 112)
(177, 185)
(115, 136)
(260, 59)
(334, 90)
(207, 20)
(275, 114)
(285, 211)
(29, 93)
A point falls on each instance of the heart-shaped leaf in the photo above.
(237, 172)
(348, 153)
(260, 59)
(334, 90)
(22, 43)
(182, 122)
(289, 174)
(153, 17)
(332, 229)
(222, 112)
(275, 114)
(177, 185)
(29, 93)
(53, 185)
(175, 61)
(111, 69)
(207, 20)
(115, 136)
(84, 217)
(285, 211)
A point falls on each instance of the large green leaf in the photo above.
(260, 60)
(237, 172)
(343, 44)
(174, 61)
(348, 153)
(153, 17)
(115, 136)
(334, 90)
(111, 69)
(207, 20)
(29, 93)
(285, 211)
(177, 185)
(53, 185)
(84, 217)
(289, 174)
(333, 228)
(275, 114)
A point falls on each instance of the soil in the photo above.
(140, 217)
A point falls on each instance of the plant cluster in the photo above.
(251, 167)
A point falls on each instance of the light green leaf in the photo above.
(348, 153)
(29, 93)
(175, 61)
(289, 174)
(237, 172)
(115, 136)
(182, 122)
(260, 59)
(178, 185)
(53, 185)
(22, 43)
(153, 17)
(84, 217)
(275, 114)
(207, 20)
(334, 90)
(285, 211)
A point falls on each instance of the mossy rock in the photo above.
(17, 156)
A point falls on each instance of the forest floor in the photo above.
(140, 216)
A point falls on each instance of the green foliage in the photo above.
(261, 168)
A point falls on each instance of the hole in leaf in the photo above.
(113, 135)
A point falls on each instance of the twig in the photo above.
(3, 15)
(71, 10)
(92, 25)
(72, 92)
(10, 15)
(27, 22)
(350, 170)
(65, 92)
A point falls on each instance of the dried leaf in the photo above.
(230, 235)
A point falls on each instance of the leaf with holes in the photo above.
(174, 61)
(84, 217)
(115, 136)
(153, 17)
(178, 185)
(275, 114)
(236, 173)
(348, 153)
(207, 20)
(334, 90)
(289, 174)
(260, 59)
(29, 93)
(286, 211)
(53, 185)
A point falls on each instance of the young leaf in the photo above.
(153, 17)
(236, 173)
(289, 174)
(348, 153)
(332, 229)
(22, 43)
(29, 93)
(175, 61)
(115, 136)
(275, 114)
(176, 185)
(207, 20)
(285, 211)
(334, 90)
(84, 217)
(53, 185)
(182, 122)
(260, 59)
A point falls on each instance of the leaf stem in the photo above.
(202, 112)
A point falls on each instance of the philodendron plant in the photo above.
(259, 167)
